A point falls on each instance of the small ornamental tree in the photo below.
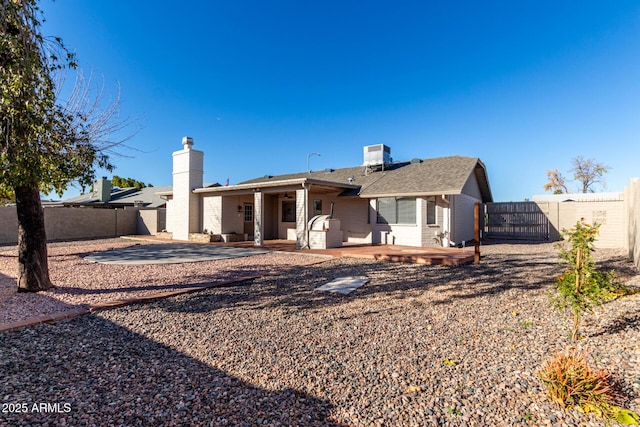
(556, 182)
(581, 286)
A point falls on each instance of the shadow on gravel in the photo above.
(90, 371)
(622, 266)
(294, 288)
(625, 322)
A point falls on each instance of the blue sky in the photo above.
(524, 86)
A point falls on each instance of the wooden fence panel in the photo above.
(516, 220)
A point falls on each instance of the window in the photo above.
(248, 213)
(396, 210)
(386, 211)
(317, 207)
(431, 210)
(288, 211)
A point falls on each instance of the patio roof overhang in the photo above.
(315, 185)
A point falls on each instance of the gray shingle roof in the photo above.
(443, 175)
(122, 197)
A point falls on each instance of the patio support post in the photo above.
(476, 233)
(258, 218)
(302, 217)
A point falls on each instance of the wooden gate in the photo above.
(516, 220)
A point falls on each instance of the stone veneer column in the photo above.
(187, 176)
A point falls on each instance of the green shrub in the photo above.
(581, 286)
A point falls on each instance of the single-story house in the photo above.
(422, 202)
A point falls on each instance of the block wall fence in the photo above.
(67, 223)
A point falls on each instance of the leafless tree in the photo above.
(589, 173)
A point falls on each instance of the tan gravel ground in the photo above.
(417, 346)
(79, 282)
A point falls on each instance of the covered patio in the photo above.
(394, 253)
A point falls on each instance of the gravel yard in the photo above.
(418, 345)
(80, 283)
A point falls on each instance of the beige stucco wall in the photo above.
(212, 214)
(632, 220)
(461, 211)
(62, 223)
(609, 214)
(233, 213)
(419, 234)
(352, 213)
(401, 234)
(148, 221)
(171, 217)
(471, 188)
(462, 208)
(8, 224)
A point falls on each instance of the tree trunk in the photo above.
(33, 267)
(575, 335)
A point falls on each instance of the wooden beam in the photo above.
(476, 232)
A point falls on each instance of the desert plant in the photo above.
(573, 384)
(581, 286)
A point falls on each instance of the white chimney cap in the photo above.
(187, 141)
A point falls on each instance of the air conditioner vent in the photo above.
(377, 155)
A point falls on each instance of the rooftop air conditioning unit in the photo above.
(377, 155)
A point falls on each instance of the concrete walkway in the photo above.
(170, 253)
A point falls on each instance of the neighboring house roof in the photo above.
(419, 177)
(121, 197)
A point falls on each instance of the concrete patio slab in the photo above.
(427, 255)
(170, 253)
(343, 285)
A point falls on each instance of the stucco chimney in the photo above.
(187, 176)
(103, 188)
